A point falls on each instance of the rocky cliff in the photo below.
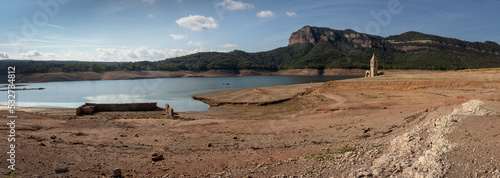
(315, 34)
(406, 42)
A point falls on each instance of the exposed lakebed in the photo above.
(177, 92)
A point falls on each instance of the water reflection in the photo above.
(177, 92)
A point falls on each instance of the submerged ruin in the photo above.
(91, 108)
(373, 68)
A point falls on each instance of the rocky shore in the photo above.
(121, 75)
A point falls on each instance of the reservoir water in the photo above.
(177, 92)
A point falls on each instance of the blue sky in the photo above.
(137, 30)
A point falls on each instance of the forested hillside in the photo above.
(314, 48)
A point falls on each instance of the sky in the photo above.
(152, 30)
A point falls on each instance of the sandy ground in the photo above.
(403, 124)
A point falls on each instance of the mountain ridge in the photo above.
(321, 47)
(313, 48)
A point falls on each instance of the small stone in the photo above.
(117, 173)
(136, 135)
(53, 137)
(235, 137)
(62, 170)
(209, 145)
(42, 144)
(157, 158)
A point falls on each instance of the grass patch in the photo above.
(469, 135)
(330, 155)
(310, 171)
(345, 149)
(11, 175)
(497, 100)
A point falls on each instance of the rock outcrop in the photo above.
(403, 42)
(315, 34)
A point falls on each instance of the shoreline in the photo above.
(124, 75)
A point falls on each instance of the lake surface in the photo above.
(177, 92)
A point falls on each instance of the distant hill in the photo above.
(316, 47)
(313, 48)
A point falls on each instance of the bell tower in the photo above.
(373, 67)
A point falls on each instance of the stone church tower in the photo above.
(373, 67)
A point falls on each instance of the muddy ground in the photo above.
(429, 124)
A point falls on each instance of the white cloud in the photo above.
(36, 54)
(197, 22)
(131, 54)
(50, 55)
(291, 14)
(4, 55)
(235, 5)
(179, 36)
(107, 54)
(192, 43)
(228, 45)
(265, 14)
(149, 1)
(151, 16)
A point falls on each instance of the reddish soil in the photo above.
(401, 124)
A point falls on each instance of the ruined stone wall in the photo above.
(89, 108)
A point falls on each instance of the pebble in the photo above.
(157, 158)
(62, 170)
(117, 172)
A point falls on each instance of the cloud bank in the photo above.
(37, 54)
